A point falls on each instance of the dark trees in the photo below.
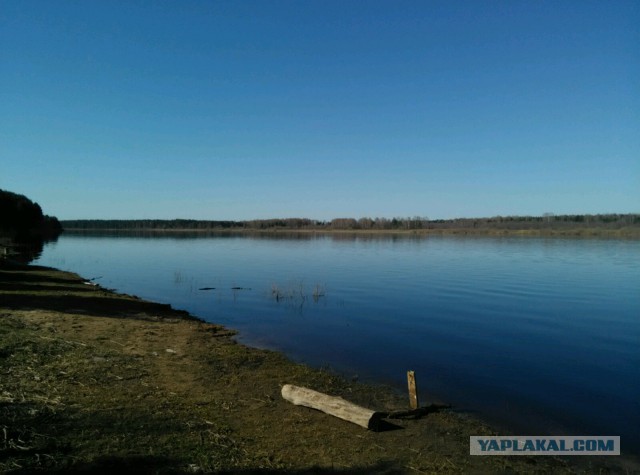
(20, 217)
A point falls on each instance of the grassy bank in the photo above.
(98, 382)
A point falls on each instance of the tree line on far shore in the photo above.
(547, 221)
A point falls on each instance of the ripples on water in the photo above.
(538, 335)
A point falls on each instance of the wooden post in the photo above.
(335, 406)
(413, 390)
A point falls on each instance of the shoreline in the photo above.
(620, 233)
(105, 381)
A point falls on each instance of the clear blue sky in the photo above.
(320, 109)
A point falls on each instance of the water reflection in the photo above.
(255, 235)
(24, 249)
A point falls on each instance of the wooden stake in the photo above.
(335, 406)
(413, 390)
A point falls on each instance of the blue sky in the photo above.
(320, 109)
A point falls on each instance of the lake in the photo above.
(537, 336)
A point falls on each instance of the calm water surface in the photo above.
(539, 336)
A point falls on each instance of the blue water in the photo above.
(537, 336)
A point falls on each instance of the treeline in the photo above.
(547, 221)
(186, 224)
(22, 218)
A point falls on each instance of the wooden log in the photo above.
(335, 406)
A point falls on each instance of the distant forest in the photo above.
(22, 218)
(506, 223)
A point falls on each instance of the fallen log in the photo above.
(335, 406)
